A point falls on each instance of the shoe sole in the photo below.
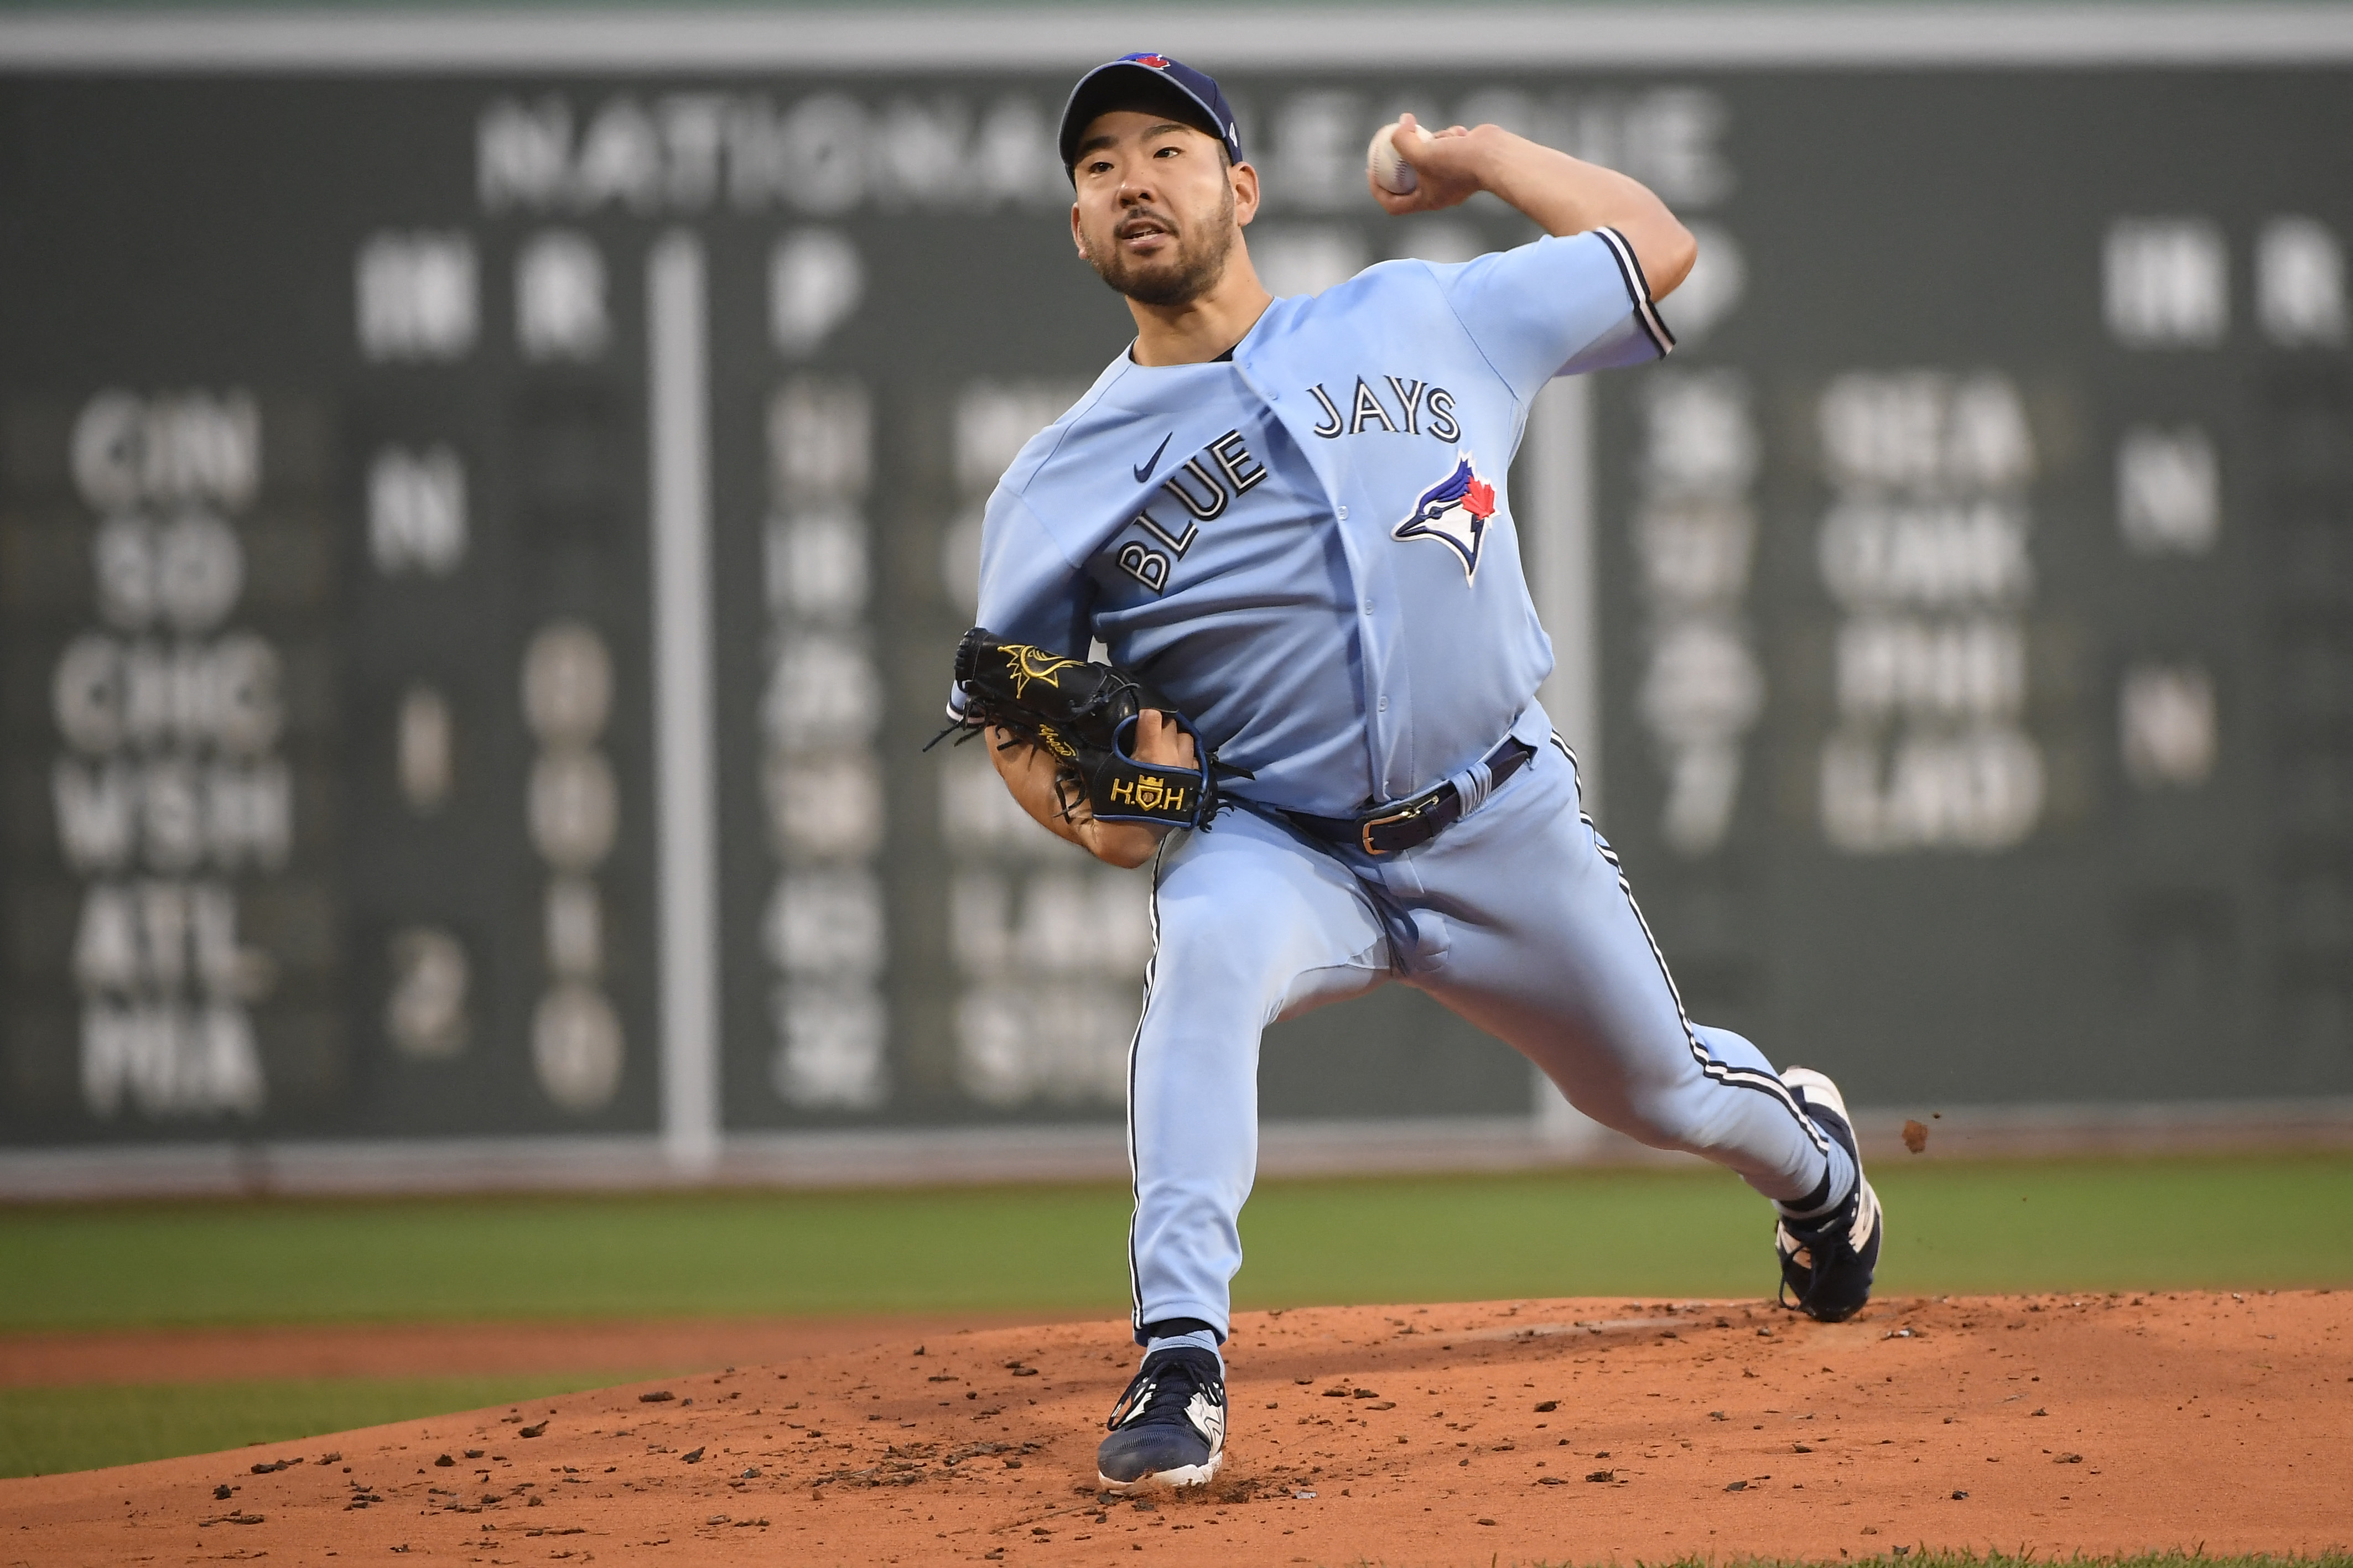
(1181, 1476)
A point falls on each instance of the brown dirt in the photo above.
(2049, 1425)
(452, 1350)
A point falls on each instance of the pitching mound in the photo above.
(1528, 1431)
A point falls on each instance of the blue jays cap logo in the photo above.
(1157, 62)
(1455, 513)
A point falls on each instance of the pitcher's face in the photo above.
(1159, 209)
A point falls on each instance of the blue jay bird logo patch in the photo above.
(1455, 513)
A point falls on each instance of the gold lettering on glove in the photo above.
(1148, 794)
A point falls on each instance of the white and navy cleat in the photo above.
(1169, 1427)
(1827, 1264)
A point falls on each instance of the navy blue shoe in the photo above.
(1169, 1426)
(1826, 1264)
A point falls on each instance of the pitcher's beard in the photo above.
(1201, 256)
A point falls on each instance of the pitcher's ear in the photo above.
(1246, 192)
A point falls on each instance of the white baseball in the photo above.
(1390, 172)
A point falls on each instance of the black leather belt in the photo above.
(1388, 829)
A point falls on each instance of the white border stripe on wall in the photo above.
(1568, 36)
(685, 767)
(1556, 517)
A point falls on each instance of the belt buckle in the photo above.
(1405, 812)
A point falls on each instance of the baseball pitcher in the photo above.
(1289, 523)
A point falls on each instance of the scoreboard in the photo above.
(481, 542)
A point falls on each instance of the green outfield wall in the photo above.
(487, 500)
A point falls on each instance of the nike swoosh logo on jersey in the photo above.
(1152, 462)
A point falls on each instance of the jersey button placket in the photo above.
(1388, 683)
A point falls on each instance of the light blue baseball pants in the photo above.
(1516, 917)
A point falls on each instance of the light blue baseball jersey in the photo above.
(1307, 548)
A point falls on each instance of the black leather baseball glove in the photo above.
(1084, 714)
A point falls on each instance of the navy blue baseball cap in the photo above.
(1105, 87)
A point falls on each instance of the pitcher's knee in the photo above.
(1671, 1117)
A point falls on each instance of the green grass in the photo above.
(49, 1431)
(1951, 1228)
(2063, 1226)
(2142, 1223)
